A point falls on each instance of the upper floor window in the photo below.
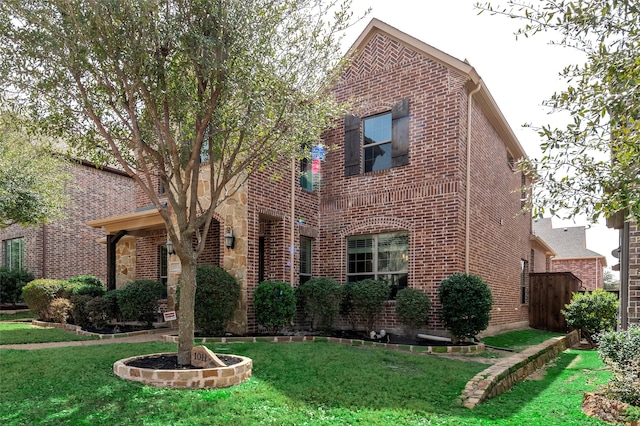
(383, 142)
(377, 142)
(380, 257)
(13, 253)
(306, 176)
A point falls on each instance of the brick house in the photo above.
(629, 255)
(68, 247)
(401, 195)
(571, 253)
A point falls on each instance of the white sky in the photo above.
(520, 74)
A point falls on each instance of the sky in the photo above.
(520, 74)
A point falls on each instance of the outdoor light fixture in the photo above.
(170, 249)
(229, 239)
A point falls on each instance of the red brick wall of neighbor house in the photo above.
(634, 273)
(70, 246)
(589, 271)
(426, 197)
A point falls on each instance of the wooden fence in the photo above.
(548, 293)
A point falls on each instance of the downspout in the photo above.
(293, 220)
(467, 224)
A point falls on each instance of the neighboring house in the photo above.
(418, 183)
(67, 247)
(629, 267)
(571, 253)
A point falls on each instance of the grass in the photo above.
(292, 384)
(519, 340)
(16, 333)
(17, 316)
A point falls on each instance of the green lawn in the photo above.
(15, 333)
(292, 384)
(18, 316)
(519, 340)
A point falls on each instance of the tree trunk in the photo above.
(186, 317)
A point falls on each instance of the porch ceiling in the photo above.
(143, 220)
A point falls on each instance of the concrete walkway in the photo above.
(141, 338)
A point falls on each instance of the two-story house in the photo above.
(418, 183)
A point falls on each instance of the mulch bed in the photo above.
(170, 362)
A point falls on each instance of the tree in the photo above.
(591, 166)
(610, 282)
(163, 85)
(32, 179)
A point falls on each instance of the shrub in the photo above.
(620, 350)
(111, 298)
(100, 311)
(412, 307)
(11, 284)
(592, 313)
(217, 295)
(138, 300)
(367, 299)
(466, 303)
(59, 309)
(79, 310)
(320, 301)
(84, 285)
(38, 295)
(275, 304)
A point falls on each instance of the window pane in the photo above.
(393, 253)
(14, 254)
(377, 157)
(377, 129)
(305, 256)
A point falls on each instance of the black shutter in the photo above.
(400, 134)
(351, 145)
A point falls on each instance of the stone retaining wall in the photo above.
(80, 332)
(501, 376)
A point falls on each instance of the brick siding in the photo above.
(68, 247)
(589, 271)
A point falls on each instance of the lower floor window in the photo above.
(381, 257)
(13, 253)
(162, 264)
(305, 259)
(524, 280)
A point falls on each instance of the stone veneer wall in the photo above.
(125, 261)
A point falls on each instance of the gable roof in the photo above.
(568, 242)
(483, 97)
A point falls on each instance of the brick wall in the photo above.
(590, 271)
(68, 247)
(634, 273)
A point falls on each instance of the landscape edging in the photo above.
(501, 376)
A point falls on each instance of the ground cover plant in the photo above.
(519, 340)
(17, 333)
(292, 384)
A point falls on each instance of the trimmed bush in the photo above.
(346, 305)
(101, 310)
(138, 300)
(592, 313)
(59, 309)
(38, 295)
(367, 298)
(79, 310)
(319, 298)
(466, 305)
(84, 285)
(12, 283)
(217, 296)
(412, 307)
(620, 351)
(275, 304)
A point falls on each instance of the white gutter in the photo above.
(467, 226)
